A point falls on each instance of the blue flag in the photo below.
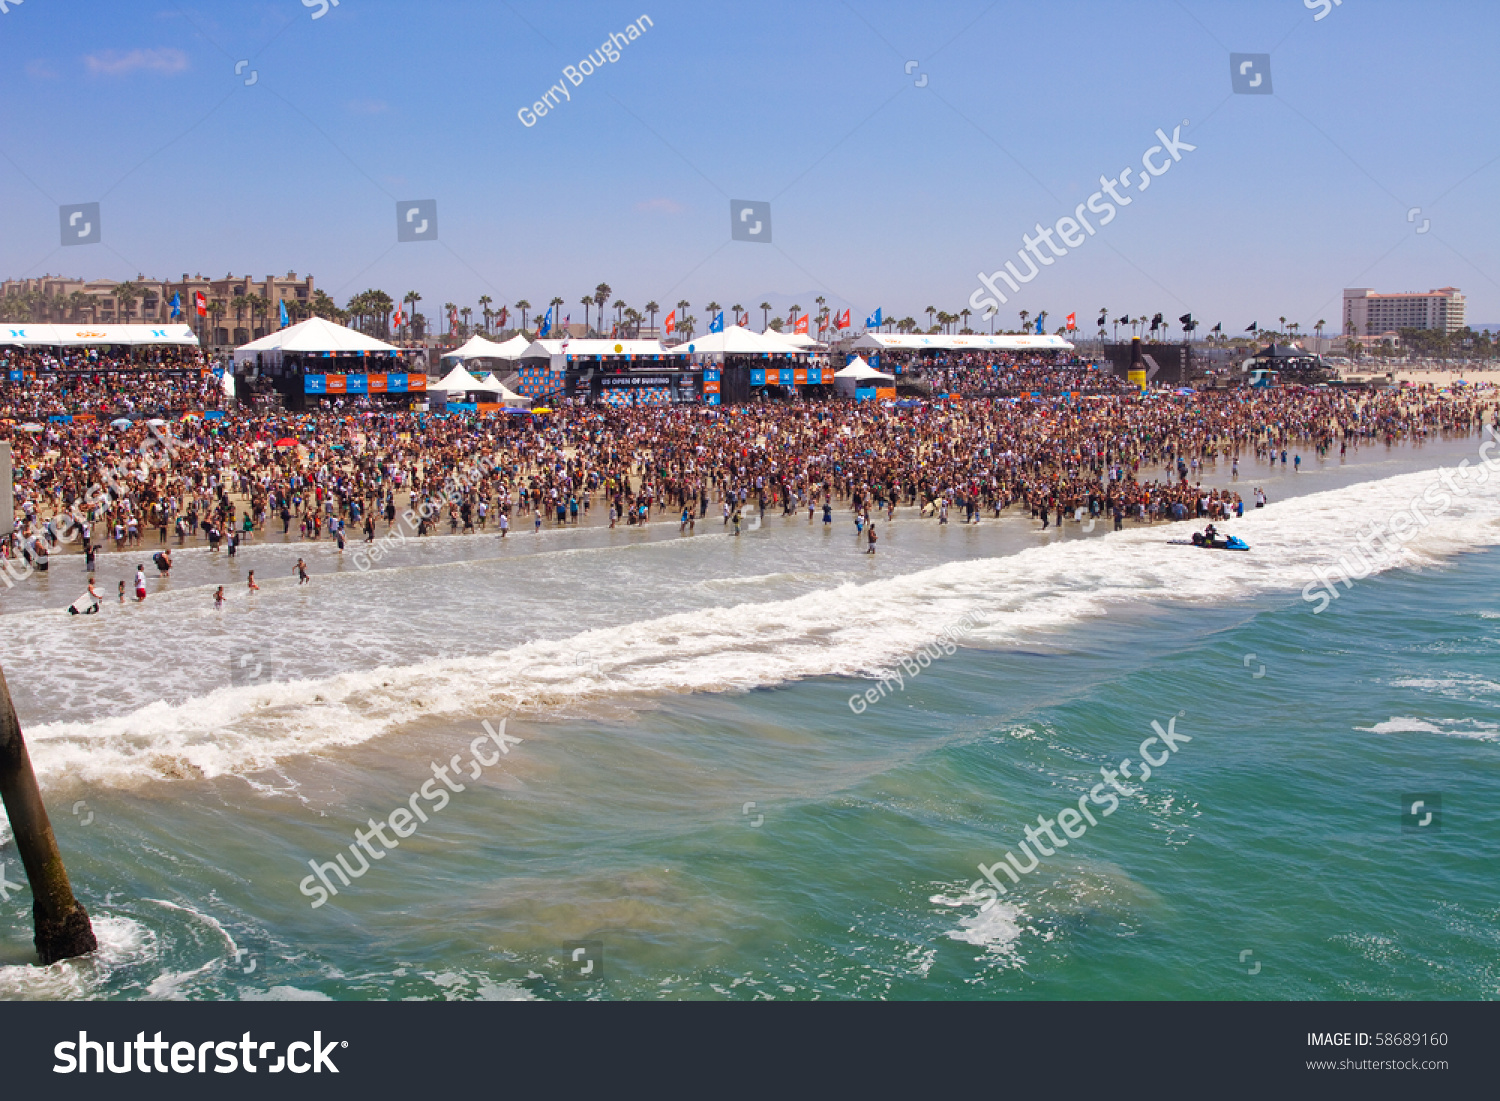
(874, 322)
(546, 323)
(1038, 326)
(717, 324)
(176, 307)
(285, 320)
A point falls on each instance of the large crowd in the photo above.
(990, 374)
(351, 474)
(36, 385)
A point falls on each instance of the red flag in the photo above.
(801, 326)
(396, 319)
(842, 321)
(1072, 317)
(201, 303)
(672, 322)
(504, 315)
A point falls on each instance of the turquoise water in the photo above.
(661, 685)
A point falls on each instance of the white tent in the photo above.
(1006, 342)
(859, 375)
(860, 371)
(480, 348)
(736, 341)
(316, 334)
(796, 340)
(458, 381)
(74, 335)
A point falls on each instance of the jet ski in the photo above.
(1212, 540)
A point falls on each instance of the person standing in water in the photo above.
(219, 597)
(140, 583)
(302, 578)
(870, 535)
(250, 585)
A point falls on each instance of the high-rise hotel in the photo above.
(1371, 314)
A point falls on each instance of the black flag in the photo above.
(1254, 327)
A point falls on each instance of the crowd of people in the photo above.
(37, 384)
(1006, 374)
(340, 474)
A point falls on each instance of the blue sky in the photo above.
(883, 192)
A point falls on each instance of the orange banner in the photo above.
(337, 384)
(416, 382)
(377, 384)
(711, 387)
(885, 393)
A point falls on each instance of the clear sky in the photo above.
(883, 192)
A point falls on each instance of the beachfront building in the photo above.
(1369, 314)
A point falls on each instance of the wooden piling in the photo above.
(63, 929)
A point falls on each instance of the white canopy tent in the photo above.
(1005, 342)
(480, 348)
(795, 340)
(62, 336)
(859, 375)
(459, 381)
(316, 334)
(736, 341)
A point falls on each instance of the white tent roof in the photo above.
(72, 335)
(458, 381)
(736, 340)
(861, 370)
(1008, 342)
(316, 334)
(796, 340)
(540, 349)
(507, 395)
(480, 348)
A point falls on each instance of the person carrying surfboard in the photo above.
(88, 604)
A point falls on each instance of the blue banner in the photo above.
(710, 374)
(15, 376)
(788, 376)
(395, 384)
(864, 394)
(711, 399)
(314, 384)
(357, 384)
(757, 376)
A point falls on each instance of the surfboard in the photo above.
(84, 605)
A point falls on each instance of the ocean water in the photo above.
(695, 804)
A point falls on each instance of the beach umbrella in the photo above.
(155, 422)
(120, 422)
(286, 441)
(31, 428)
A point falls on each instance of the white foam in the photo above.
(848, 629)
(1476, 729)
(122, 941)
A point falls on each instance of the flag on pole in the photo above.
(842, 320)
(1039, 320)
(397, 319)
(1218, 328)
(873, 322)
(285, 320)
(504, 316)
(176, 307)
(801, 326)
(1072, 321)
(717, 324)
(201, 303)
(546, 328)
(1253, 327)
(671, 323)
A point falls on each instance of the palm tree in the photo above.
(556, 318)
(466, 313)
(1318, 328)
(484, 305)
(586, 301)
(1283, 325)
(820, 300)
(651, 308)
(964, 314)
(633, 319)
(737, 308)
(216, 312)
(765, 308)
(682, 309)
(929, 311)
(126, 295)
(523, 306)
(601, 296)
(618, 305)
(792, 313)
(411, 298)
(238, 304)
(712, 308)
